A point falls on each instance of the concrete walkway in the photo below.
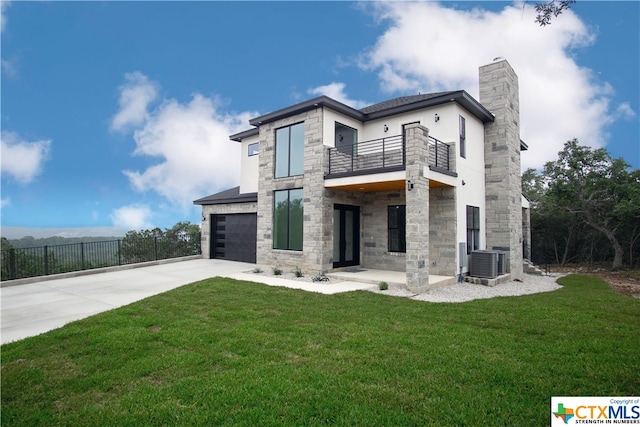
(35, 308)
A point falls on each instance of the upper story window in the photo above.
(463, 138)
(254, 149)
(290, 151)
(346, 138)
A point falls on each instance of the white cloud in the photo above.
(9, 68)
(5, 202)
(3, 18)
(191, 143)
(625, 112)
(429, 47)
(132, 217)
(135, 96)
(22, 160)
(336, 91)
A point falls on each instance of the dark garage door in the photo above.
(234, 237)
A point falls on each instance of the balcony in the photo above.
(382, 155)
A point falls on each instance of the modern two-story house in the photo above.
(413, 184)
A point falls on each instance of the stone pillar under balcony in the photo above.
(417, 210)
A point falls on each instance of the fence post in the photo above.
(12, 264)
(46, 260)
(353, 155)
(436, 150)
(384, 152)
(119, 253)
(82, 253)
(404, 149)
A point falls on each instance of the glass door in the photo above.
(346, 235)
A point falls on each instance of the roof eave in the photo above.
(461, 97)
(244, 134)
(302, 107)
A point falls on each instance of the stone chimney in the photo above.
(503, 185)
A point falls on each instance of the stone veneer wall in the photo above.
(417, 196)
(315, 256)
(208, 210)
(503, 192)
(374, 231)
(442, 231)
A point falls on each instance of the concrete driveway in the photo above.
(32, 309)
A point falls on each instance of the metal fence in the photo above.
(20, 263)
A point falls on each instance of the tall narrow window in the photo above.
(473, 228)
(288, 219)
(290, 151)
(463, 138)
(397, 226)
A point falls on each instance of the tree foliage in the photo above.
(585, 206)
(29, 257)
(551, 9)
(182, 239)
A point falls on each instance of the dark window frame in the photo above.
(397, 230)
(289, 161)
(462, 125)
(353, 151)
(473, 228)
(255, 152)
(289, 245)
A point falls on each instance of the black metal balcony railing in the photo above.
(439, 154)
(19, 263)
(382, 154)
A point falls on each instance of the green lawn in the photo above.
(225, 352)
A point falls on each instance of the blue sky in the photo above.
(116, 115)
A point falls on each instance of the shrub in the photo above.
(277, 271)
(297, 272)
(383, 286)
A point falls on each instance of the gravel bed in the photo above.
(461, 292)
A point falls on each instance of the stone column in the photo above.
(503, 190)
(417, 199)
(318, 210)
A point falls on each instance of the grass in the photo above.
(225, 352)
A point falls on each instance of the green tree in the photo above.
(589, 187)
(549, 9)
(554, 231)
(182, 239)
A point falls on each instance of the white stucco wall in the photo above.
(329, 120)
(470, 170)
(249, 166)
